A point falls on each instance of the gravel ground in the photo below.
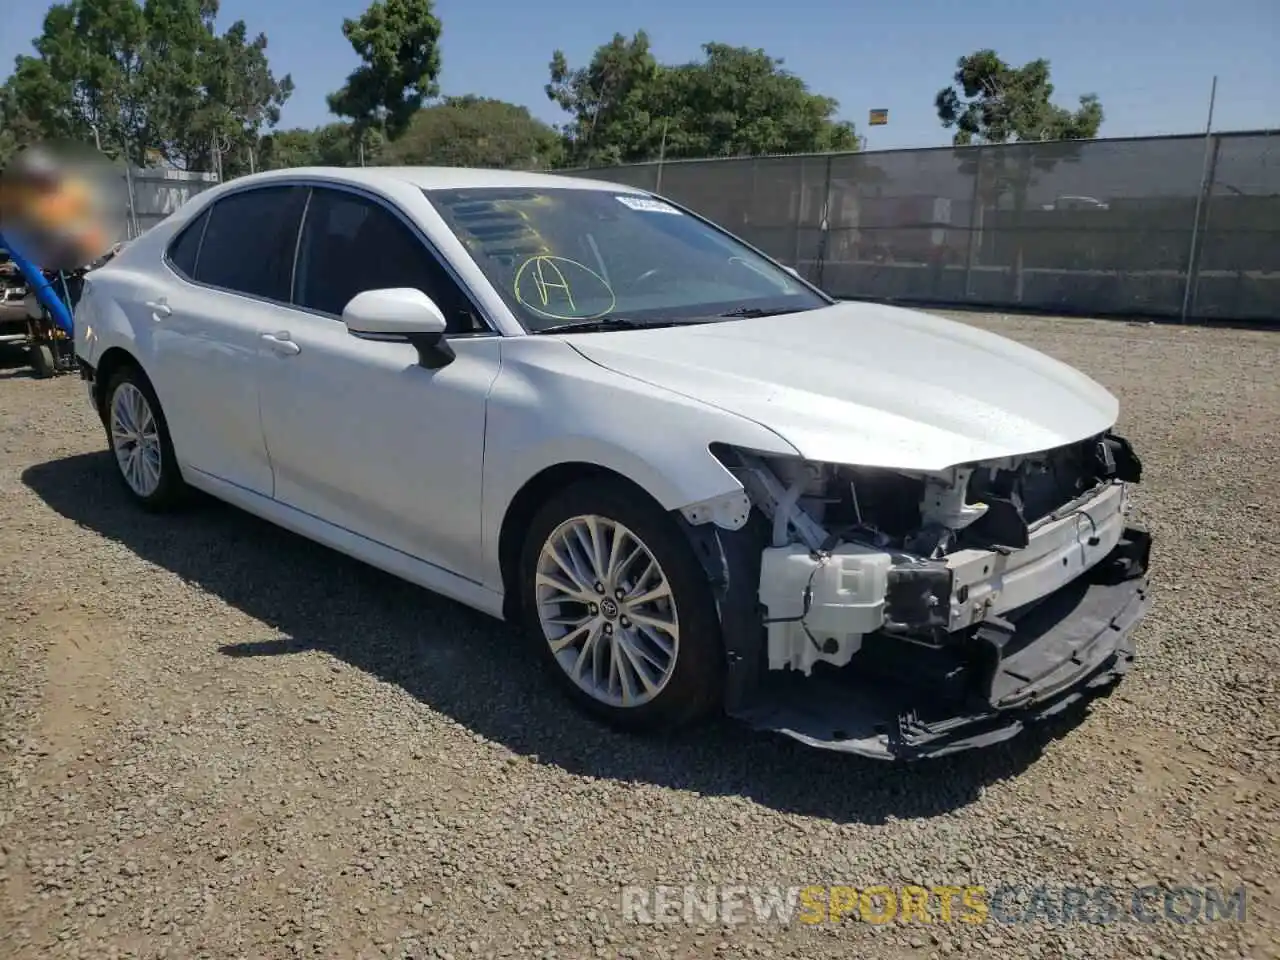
(219, 741)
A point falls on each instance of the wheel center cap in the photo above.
(608, 608)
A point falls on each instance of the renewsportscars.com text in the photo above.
(973, 904)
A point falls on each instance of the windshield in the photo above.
(567, 255)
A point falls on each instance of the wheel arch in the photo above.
(113, 359)
(526, 503)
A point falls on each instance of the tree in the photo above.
(472, 131)
(180, 41)
(333, 145)
(209, 96)
(398, 42)
(626, 107)
(241, 98)
(613, 102)
(85, 81)
(297, 147)
(144, 80)
(990, 101)
(741, 102)
(16, 128)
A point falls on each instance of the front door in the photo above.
(358, 433)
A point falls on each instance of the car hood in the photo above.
(868, 384)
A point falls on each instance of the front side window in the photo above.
(351, 244)
(249, 242)
(567, 255)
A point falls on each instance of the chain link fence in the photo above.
(1123, 227)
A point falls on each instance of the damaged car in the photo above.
(699, 483)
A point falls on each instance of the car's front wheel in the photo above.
(620, 608)
(139, 439)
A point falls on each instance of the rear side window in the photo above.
(184, 250)
(249, 243)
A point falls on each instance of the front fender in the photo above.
(551, 406)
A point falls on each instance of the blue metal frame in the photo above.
(42, 287)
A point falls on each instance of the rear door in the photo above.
(235, 267)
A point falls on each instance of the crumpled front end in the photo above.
(908, 614)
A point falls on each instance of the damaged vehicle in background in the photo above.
(701, 483)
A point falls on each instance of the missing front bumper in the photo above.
(1069, 647)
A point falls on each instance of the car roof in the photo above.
(439, 178)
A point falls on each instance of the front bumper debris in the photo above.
(1014, 669)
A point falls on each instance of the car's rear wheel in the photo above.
(139, 439)
(620, 609)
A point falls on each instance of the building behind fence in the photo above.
(1133, 226)
(154, 192)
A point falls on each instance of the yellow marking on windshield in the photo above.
(544, 285)
(547, 276)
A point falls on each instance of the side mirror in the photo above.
(401, 315)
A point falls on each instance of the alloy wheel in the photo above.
(135, 439)
(607, 611)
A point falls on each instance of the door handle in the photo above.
(281, 344)
(159, 309)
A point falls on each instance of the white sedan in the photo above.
(700, 483)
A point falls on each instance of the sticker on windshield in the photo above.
(647, 204)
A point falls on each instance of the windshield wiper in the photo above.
(601, 324)
(597, 324)
(748, 313)
(621, 323)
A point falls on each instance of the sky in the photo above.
(1150, 61)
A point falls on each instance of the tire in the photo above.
(41, 358)
(129, 397)
(679, 694)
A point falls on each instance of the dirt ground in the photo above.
(219, 741)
